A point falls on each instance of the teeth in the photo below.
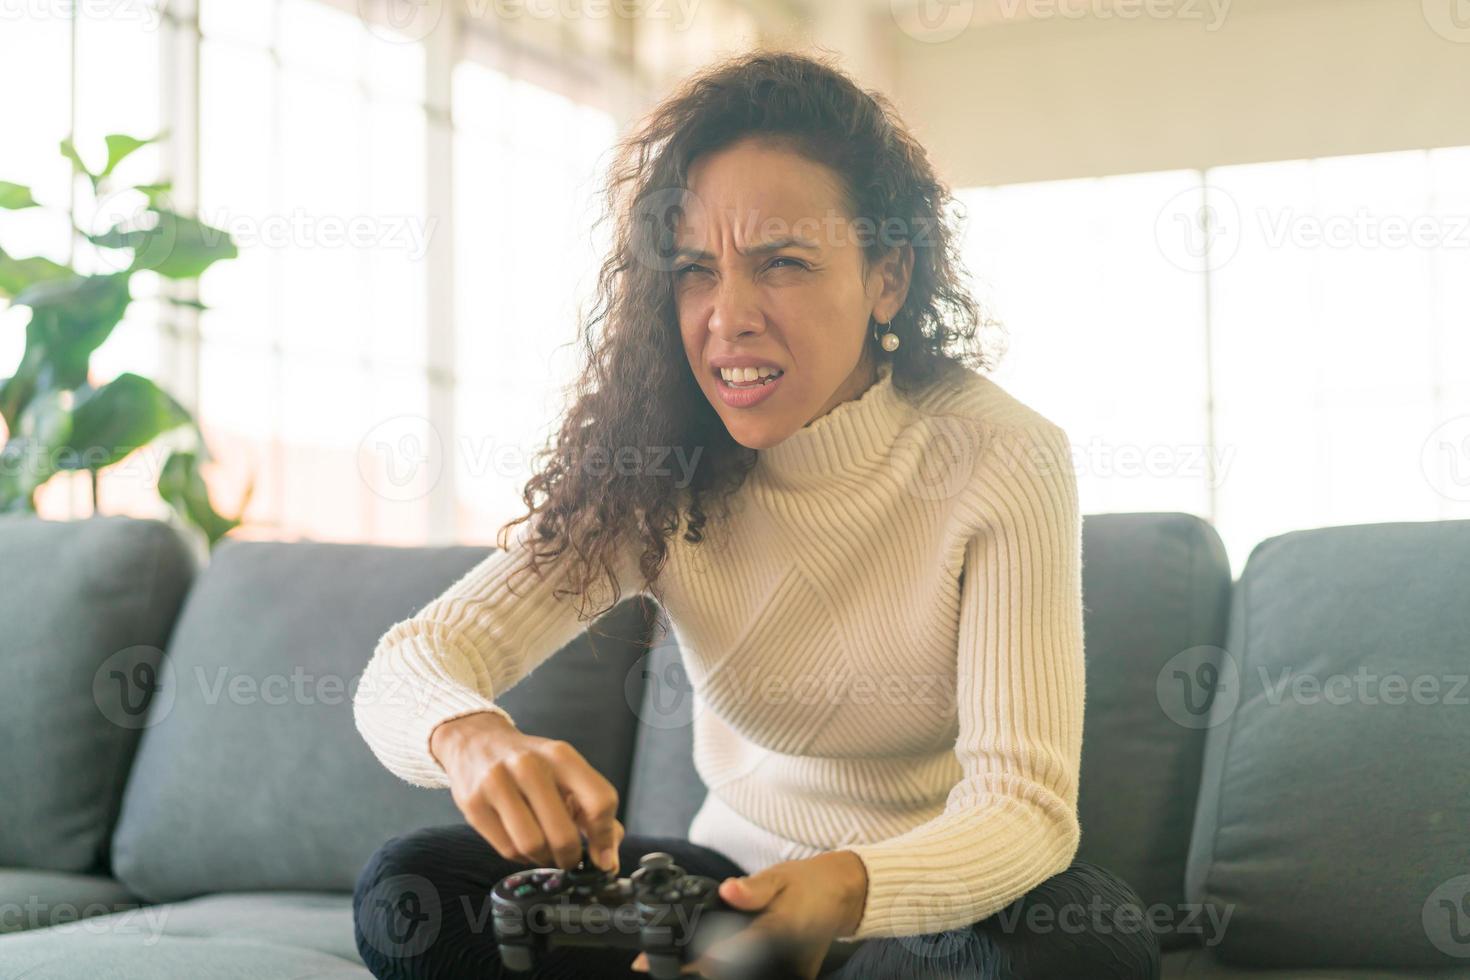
(748, 374)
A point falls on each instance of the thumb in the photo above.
(750, 892)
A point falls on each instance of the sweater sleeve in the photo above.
(1011, 821)
(452, 657)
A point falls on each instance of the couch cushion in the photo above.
(87, 607)
(1335, 795)
(664, 790)
(257, 778)
(220, 937)
(1156, 596)
(36, 899)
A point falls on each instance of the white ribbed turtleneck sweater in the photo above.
(885, 648)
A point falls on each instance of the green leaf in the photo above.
(180, 247)
(13, 197)
(175, 246)
(155, 192)
(69, 150)
(17, 274)
(35, 452)
(119, 236)
(17, 390)
(182, 485)
(81, 294)
(123, 415)
(70, 318)
(120, 146)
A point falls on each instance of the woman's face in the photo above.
(768, 272)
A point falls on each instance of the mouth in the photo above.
(745, 387)
(741, 379)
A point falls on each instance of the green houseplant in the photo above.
(57, 420)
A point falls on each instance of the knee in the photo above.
(397, 904)
(1084, 921)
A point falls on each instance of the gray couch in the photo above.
(183, 793)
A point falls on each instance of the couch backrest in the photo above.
(1156, 597)
(251, 774)
(86, 608)
(1334, 817)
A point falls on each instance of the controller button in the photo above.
(552, 882)
(521, 891)
(669, 895)
(514, 880)
(695, 886)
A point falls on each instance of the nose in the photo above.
(736, 310)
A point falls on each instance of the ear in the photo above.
(895, 271)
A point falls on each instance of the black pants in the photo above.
(422, 909)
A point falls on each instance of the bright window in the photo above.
(1300, 360)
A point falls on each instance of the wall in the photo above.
(1056, 97)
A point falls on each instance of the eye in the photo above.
(688, 268)
(796, 263)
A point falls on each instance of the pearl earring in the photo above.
(889, 340)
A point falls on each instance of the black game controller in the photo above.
(671, 916)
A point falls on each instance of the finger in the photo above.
(480, 814)
(597, 801)
(537, 781)
(640, 962)
(618, 836)
(515, 814)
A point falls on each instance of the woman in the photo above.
(872, 561)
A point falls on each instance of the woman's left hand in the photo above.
(815, 899)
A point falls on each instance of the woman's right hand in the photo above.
(528, 796)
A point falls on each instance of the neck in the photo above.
(863, 377)
(852, 439)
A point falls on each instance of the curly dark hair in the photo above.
(594, 492)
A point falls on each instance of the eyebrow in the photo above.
(761, 248)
